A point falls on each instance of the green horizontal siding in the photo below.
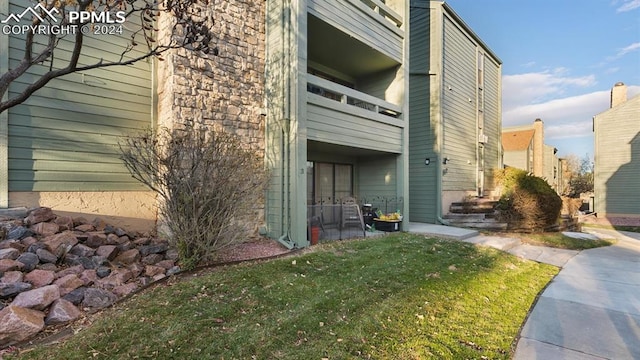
(422, 178)
(459, 109)
(351, 19)
(65, 136)
(326, 124)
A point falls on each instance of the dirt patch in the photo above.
(611, 221)
(251, 249)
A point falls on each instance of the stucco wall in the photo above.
(131, 210)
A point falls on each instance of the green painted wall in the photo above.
(422, 178)
(64, 137)
(459, 109)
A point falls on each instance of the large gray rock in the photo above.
(62, 311)
(46, 256)
(83, 250)
(153, 249)
(38, 298)
(10, 290)
(95, 298)
(18, 324)
(76, 296)
(17, 233)
(28, 260)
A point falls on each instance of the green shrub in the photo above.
(528, 202)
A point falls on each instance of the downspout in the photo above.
(285, 239)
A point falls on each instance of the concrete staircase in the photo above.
(477, 213)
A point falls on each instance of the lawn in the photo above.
(560, 241)
(398, 297)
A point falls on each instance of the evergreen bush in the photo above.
(528, 202)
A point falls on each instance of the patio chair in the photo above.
(351, 214)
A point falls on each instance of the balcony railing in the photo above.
(385, 11)
(345, 95)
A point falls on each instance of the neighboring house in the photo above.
(518, 149)
(337, 119)
(524, 148)
(617, 157)
(455, 109)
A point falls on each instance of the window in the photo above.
(328, 183)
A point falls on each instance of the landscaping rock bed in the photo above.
(54, 267)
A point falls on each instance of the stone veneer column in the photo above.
(226, 91)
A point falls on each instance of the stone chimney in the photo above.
(618, 94)
(538, 147)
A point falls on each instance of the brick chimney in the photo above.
(538, 147)
(618, 94)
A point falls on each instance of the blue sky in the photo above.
(560, 60)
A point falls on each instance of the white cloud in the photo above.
(531, 88)
(564, 118)
(629, 5)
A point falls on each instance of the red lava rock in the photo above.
(108, 251)
(89, 277)
(39, 278)
(11, 277)
(9, 265)
(55, 241)
(126, 289)
(68, 283)
(18, 324)
(45, 228)
(62, 311)
(39, 215)
(85, 228)
(64, 223)
(38, 298)
(128, 257)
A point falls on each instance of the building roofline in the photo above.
(466, 26)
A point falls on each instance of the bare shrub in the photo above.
(207, 182)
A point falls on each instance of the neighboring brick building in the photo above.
(524, 148)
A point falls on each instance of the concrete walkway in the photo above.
(591, 310)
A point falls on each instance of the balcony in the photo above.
(340, 115)
(369, 21)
